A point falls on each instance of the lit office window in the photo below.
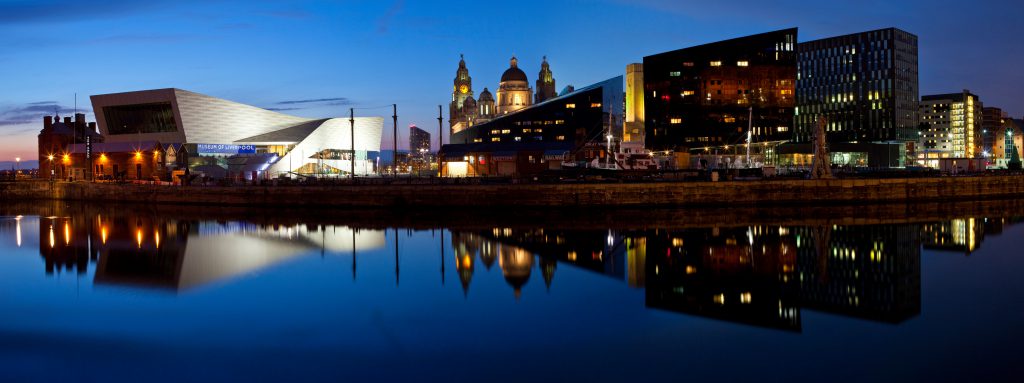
(716, 63)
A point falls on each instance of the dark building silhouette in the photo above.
(992, 120)
(865, 85)
(871, 272)
(743, 275)
(702, 96)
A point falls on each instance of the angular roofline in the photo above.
(574, 92)
(947, 96)
(705, 45)
(855, 34)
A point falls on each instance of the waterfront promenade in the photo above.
(639, 194)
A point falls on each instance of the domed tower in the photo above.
(464, 266)
(461, 90)
(516, 266)
(545, 83)
(547, 270)
(486, 103)
(514, 92)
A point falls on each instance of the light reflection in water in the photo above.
(17, 233)
(761, 275)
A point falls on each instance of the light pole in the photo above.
(18, 170)
(50, 158)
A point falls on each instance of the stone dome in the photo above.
(486, 95)
(513, 73)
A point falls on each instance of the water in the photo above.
(129, 293)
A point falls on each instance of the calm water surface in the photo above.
(126, 294)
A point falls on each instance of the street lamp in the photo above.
(18, 160)
(50, 158)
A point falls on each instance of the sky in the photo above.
(319, 58)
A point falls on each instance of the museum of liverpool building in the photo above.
(218, 138)
(572, 129)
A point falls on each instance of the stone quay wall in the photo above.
(732, 193)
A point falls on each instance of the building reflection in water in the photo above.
(758, 275)
(737, 274)
(144, 251)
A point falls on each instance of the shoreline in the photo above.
(637, 195)
(623, 218)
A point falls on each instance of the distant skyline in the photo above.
(319, 58)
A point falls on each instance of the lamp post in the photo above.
(50, 158)
(18, 170)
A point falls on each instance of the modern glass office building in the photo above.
(865, 86)
(573, 127)
(703, 97)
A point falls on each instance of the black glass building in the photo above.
(704, 96)
(571, 127)
(865, 85)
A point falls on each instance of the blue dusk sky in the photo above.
(318, 58)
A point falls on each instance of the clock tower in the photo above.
(462, 110)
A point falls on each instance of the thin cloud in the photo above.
(384, 22)
(60, 11)
(33, 113)
(332, 101)
(294, 14)
(141, 38)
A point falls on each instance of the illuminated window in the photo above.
(506, 131)
(538, 130)
(495, 139)
(716, 63)
(782, 129)
(560, 138)
(687, 93)
(519, 139)
(570, 106)
(676, 120)
(742, 63)
(786, 91)
(674, 74)
(688, 64)
(478, 140)
(595, 105)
